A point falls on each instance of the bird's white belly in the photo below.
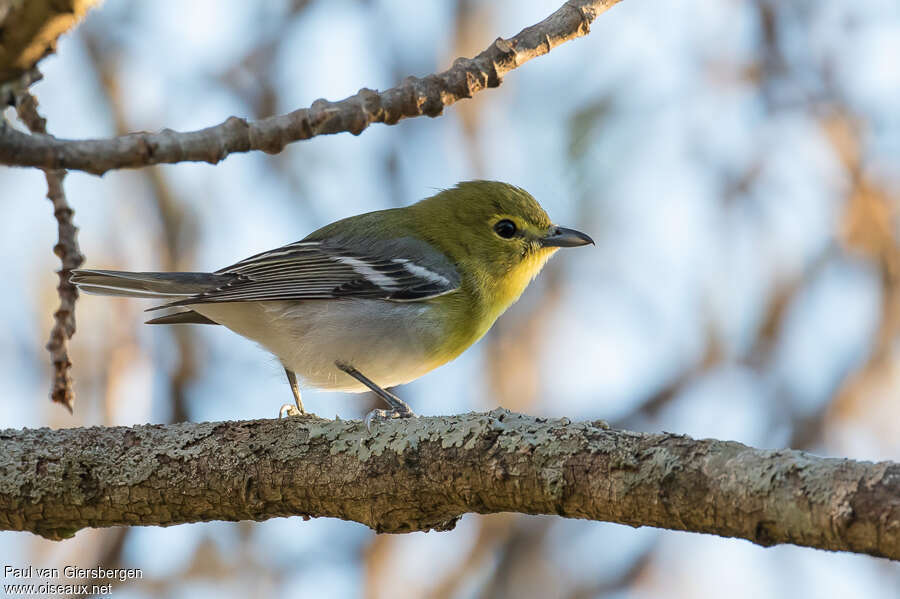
(388, 342)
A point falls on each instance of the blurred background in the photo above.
(738, 163)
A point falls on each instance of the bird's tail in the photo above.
(170, 286)
(158, 285)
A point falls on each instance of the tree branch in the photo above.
(414, 97)
(70, 258)
(423, 473)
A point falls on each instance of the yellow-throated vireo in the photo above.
(373, 300)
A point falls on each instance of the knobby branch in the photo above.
(413, 97)
(70, 257)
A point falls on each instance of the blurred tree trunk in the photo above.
(30, 29)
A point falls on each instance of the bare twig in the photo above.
(70, 257)
(424, 473)
(414, 97)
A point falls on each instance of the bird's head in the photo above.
(496, 230)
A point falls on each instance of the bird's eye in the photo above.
(505, 228)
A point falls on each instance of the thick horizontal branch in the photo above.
(423, 473)
(414, 97)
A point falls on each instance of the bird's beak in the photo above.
(561, 237)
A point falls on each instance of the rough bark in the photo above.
(413, 97)
(423, 473)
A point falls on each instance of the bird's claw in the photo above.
(378, 415)
(289, 409)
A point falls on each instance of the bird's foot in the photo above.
(380, 415)
(290, 409)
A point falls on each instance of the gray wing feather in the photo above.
(397, 270)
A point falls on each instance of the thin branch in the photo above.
(70, 257)
(424, 473)
(414, 97)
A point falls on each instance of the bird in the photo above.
(371, 301)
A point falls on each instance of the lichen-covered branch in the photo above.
(424, 473)
(70, 257)
(413, 97)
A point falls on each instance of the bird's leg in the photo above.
(287, 409)
(399, 408)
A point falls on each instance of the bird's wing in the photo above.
(395, 270)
